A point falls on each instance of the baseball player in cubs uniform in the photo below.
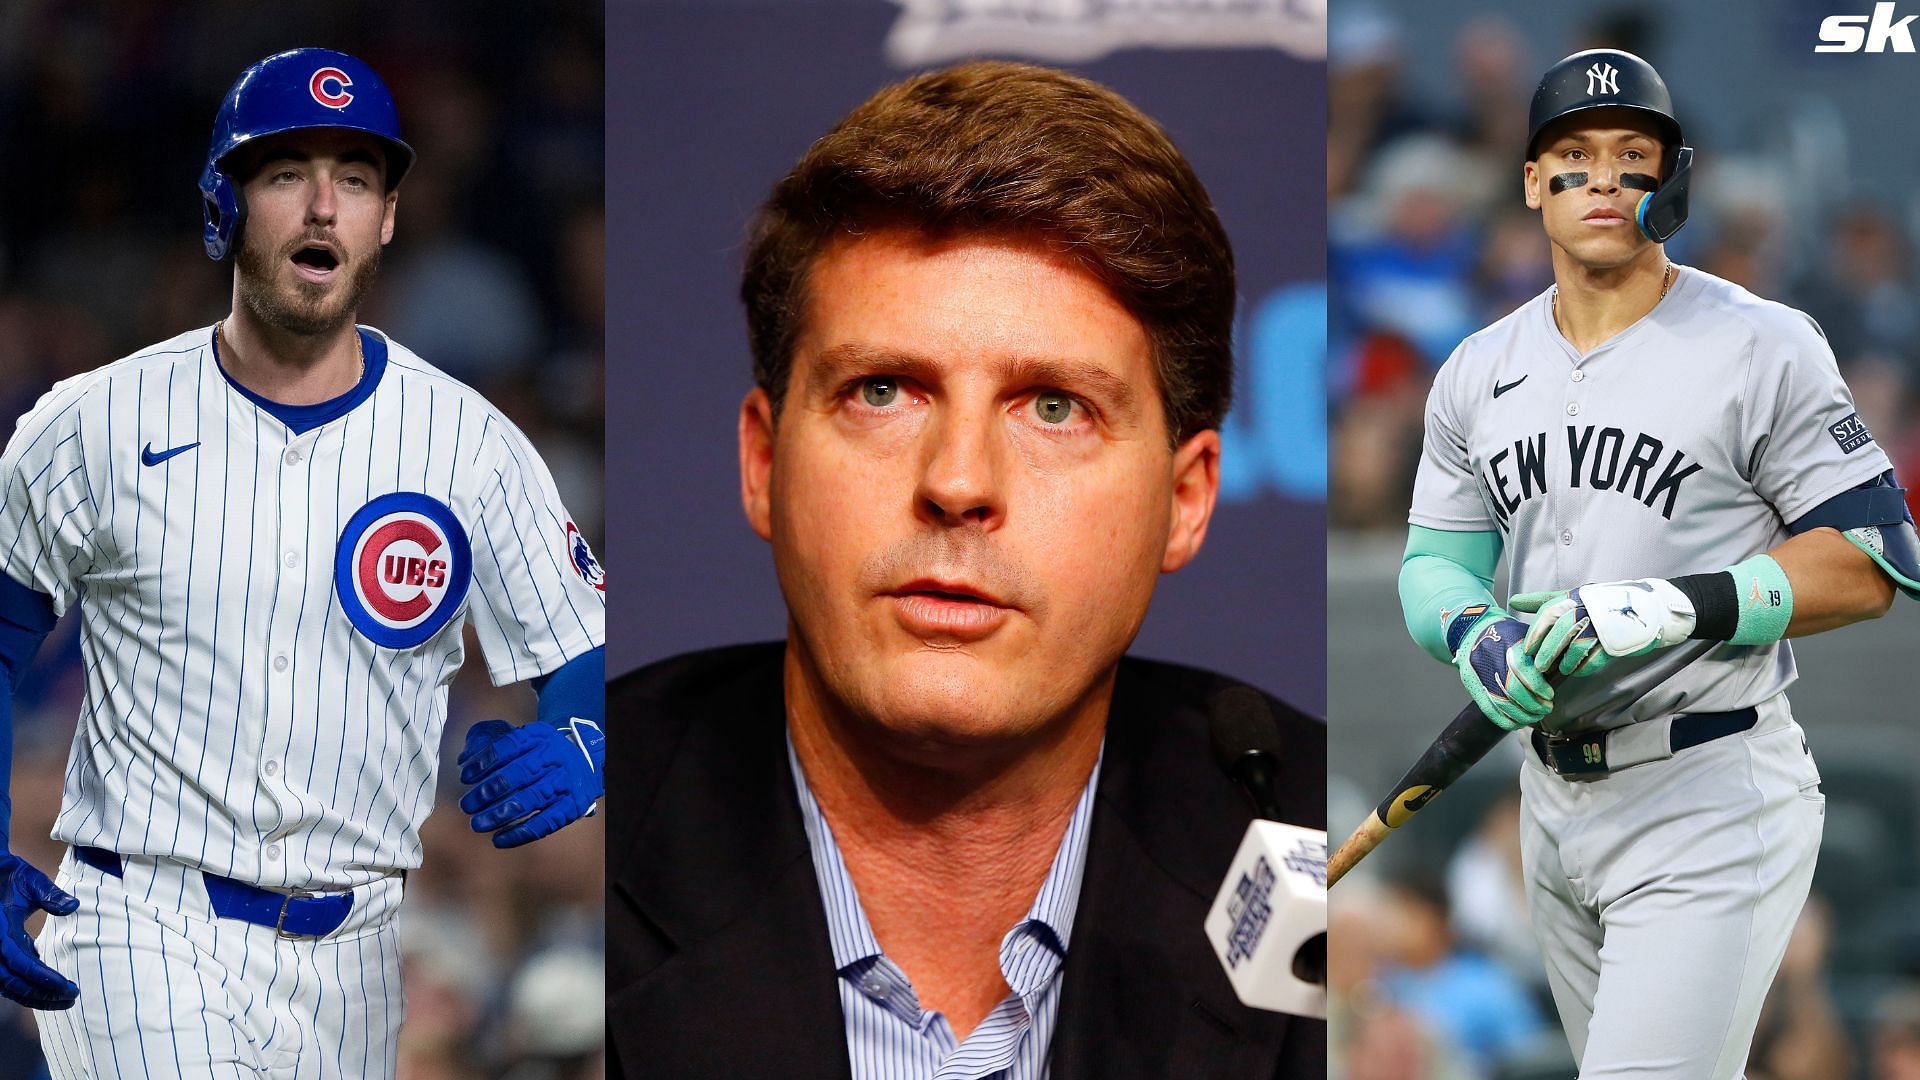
(1679, 480)
(275, 529)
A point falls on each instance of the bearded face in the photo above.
(318, 212)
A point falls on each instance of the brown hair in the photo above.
(996, 146)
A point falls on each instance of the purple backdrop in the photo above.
(708, 104)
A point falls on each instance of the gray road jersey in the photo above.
(1682, 445)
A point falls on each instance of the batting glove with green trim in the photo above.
(1495, 669)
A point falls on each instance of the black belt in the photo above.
(290, 914)
(1585, 753)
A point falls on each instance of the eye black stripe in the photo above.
(1566, 181)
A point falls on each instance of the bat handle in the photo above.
(1466, 740)
(1363, 841)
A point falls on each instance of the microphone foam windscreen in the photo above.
(1242, 724)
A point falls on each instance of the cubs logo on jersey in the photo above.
(402, 568)
(584, 563)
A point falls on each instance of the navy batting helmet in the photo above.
(1612, 79)
(292, 91)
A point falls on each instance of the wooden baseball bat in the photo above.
(1466, 740)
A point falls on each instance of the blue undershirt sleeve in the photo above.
(26, 617)
(577, 688)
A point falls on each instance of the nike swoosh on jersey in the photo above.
(1499, 388)
(148, 457)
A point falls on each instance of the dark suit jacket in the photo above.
(718, 963)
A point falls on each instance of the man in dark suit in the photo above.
(945, 829)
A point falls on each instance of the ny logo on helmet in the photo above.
(335, 98)
(1603, 78)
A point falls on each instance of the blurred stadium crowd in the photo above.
(496, 275)
(1434, 973)
(1435, 976)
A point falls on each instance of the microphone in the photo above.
(1268, 923)
(1246, 745)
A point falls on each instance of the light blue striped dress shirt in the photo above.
(889, 1036)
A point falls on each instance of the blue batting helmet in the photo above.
(292, 91)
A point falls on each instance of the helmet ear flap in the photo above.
(222, 212)
(1662, 211)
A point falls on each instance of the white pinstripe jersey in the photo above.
(266, 662)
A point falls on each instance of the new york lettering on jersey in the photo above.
(1597, 458)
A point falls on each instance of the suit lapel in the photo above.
(724, 964)
(1144, 995)
(747, 975)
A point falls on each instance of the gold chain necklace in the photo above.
(359, 348)
(1666, 282)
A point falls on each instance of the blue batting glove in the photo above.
(23, 977)
(528, 781)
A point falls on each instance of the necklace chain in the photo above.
(1666, 282)
(359, 348)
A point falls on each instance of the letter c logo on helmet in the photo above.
(336, 98)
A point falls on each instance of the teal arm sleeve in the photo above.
(1442, 572)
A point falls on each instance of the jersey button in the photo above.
(293, 456)
(1566, 538)
(292, 559)
(1579, 376)
(271, 768)
(1573, 408)
(273, 852)
(280, 662)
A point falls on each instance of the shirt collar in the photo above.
(1049, 918)
(301, 419)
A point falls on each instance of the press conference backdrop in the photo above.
(710, 103)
